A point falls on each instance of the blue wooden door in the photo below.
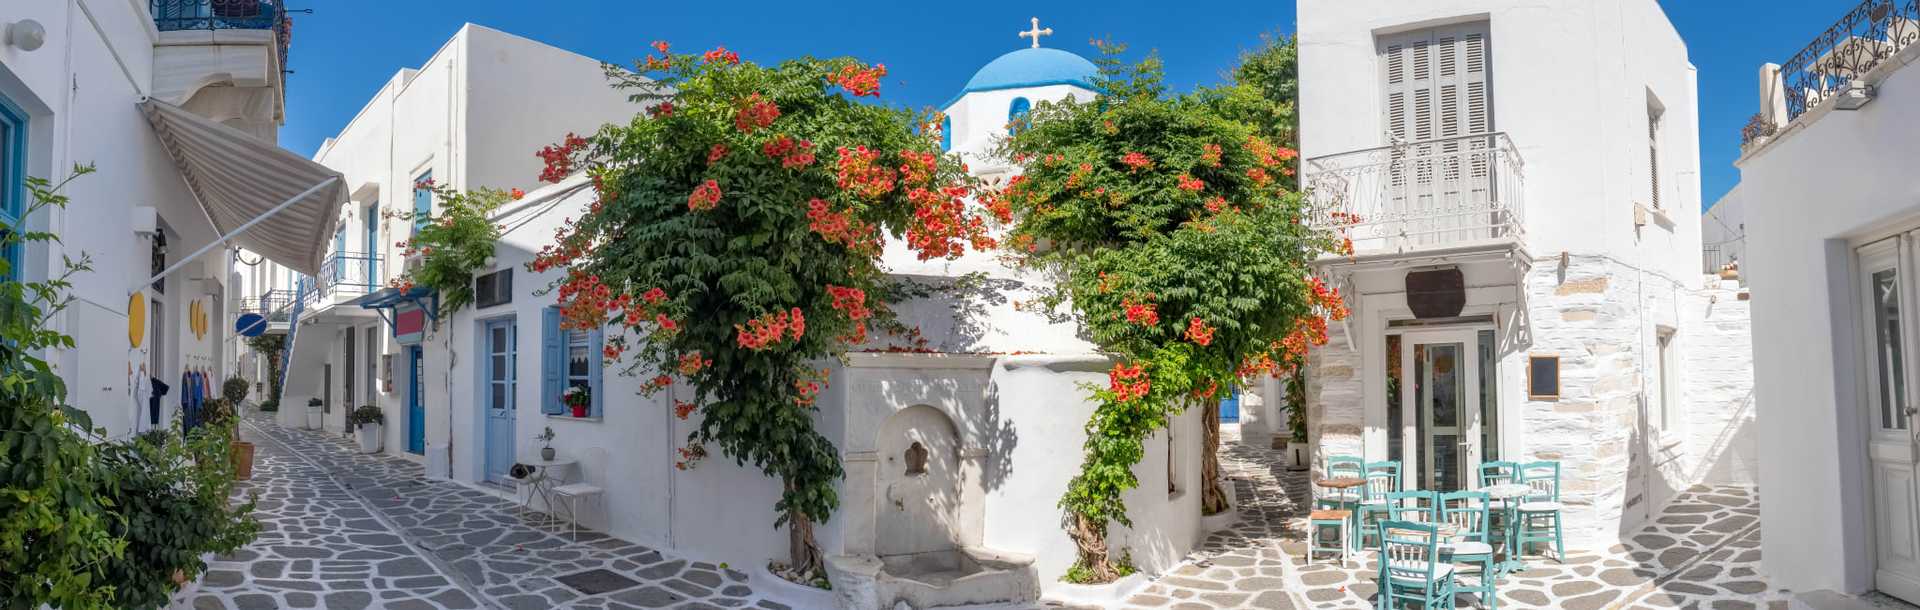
(1230, 407)
(497, 395)
(416, 404)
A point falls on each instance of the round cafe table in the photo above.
(1341, 485)
(1511, 494)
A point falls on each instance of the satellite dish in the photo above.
(250, 325)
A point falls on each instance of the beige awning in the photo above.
(260, 197)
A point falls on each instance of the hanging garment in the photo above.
(153, 401)
(142, 391)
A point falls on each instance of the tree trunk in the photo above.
(1091, 542)
(803, 552)
(1213, 499)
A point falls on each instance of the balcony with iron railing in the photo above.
(1835, 64)
(1426, 195)
(273, 304)
(269, 15)
(343, 275)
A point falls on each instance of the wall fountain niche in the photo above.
(915, 504)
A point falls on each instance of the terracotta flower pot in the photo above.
(242, 457)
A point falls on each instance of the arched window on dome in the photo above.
(1016, 111)
(946, 134)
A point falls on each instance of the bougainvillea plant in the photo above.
(735, 246)
(451, 243)
(1183, 254)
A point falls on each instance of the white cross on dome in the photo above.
(1036, 32)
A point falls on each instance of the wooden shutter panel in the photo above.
(596, 345)
(553, 362)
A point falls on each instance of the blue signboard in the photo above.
(250, 325)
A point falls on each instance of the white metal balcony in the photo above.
(1427, 195)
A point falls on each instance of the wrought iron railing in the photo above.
(273, 304)
(172, 15)
(346, 273)
(1420, 195)
(1867, 36)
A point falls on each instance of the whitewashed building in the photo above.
(471, 116)
(177, 105)
(1832, 204)
(1723, 235)
(1521, 185)
(1003, 431)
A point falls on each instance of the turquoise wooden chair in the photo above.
(1496, 473)
(1411, 570)
(1342, 466)
(1467, 512)
(1382, 478)
(1539, 516)
(1416, 505)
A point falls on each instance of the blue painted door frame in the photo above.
(1230, 407)
(416, 404)
(497, 393)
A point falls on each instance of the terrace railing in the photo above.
(273, 305)
(175, 15)
(1420, 195)
(1872, 33)
(345, 273)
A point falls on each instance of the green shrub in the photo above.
(366, 414)
(269, 405)
(234, 389)
(170, 506)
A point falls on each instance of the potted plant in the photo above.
(234, 389)
(367, 422)
(546, 443)
(579, 398)
(314, 413)
(1298, 451)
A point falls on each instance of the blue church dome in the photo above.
(1033, 67)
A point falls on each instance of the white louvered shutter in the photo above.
(1437, 93)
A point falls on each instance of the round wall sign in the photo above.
(250, 325)
(136, 319)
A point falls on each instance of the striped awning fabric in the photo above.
(238, 178)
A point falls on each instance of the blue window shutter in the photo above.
(553, 362)
(596, 341)
(422, 201)
(946, 134)
(1015, 111)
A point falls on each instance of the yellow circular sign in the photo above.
(136, 319)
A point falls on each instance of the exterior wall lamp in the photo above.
(1855, 96)
(26, 34)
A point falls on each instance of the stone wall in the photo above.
(1336, 412)
(1586, 312)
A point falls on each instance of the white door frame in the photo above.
(1893, 487)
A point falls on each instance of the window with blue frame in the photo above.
(946, 134)
(570, 358)
(422, 200)
(13, 177)
(1017, 111)
(373, 242)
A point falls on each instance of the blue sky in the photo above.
(347, 48)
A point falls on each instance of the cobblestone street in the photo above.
(343, 530)
(1703, 551)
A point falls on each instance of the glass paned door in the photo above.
(1885, 299)
(1440, 408)
(498, 396)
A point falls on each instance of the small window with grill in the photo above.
(493, 289)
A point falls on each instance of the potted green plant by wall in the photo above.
(546, 443)
(1298, 452)
(314, 413)
(234, 389)
(367, 422)
(579, 398)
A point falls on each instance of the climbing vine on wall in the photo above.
(451, 243)
(735, 243)
(1180, 242)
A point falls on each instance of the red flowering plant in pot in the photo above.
(579, 399)
(735, 246)
(1179, 237)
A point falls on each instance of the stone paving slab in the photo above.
(345, 530)
(1702, 551)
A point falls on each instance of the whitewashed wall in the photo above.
(1825, 183)
(80, 91)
